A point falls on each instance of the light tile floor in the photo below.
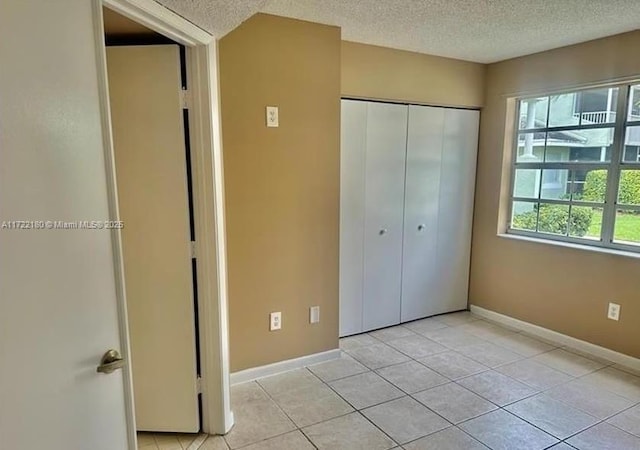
(448, 382)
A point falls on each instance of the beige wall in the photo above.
(563, 289)
(382, 73)
(282, 186)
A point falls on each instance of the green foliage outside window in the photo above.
(595, 187)
(554, 219)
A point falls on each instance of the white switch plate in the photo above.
(272, 116)
(314, 314)
(614, 311)
(275, 321)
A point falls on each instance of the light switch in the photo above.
(272, 116)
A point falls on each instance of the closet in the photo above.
(407, 186)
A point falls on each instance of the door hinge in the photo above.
(192, 248)
(185, 98)
(199, 385)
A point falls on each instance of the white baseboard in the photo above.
(283, 366)
(559, 338)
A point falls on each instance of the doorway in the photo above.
(167, 191)
(150, 129)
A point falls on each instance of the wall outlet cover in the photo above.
(613, 312)
(275, 321)
(314, 314)
(272, 117)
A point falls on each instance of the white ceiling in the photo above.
(475, 30)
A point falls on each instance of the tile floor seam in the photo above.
(526, 421)
(599, 421)
(616, 426)
(560, 439)
(266, 439)
(374, 404)
(386, 401)
(278, 404)
(452, 426)
(587, 412)
(609, 391)
(434, 412)
(355, 409)
(380, 429)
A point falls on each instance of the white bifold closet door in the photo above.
(455, 209)
(420, 262)
(384, 204)
(352, 175)
(438, 215)
(371, 208)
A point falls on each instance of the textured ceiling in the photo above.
(475, 30)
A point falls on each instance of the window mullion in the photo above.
(514, 159)
(613, 178)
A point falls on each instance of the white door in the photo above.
(58, 308)
(455, 216)
(352, 175)
(419, 262)
(384, 205)
(146, 111)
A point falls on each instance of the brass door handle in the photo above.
(110, 362)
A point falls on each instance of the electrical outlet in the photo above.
(272, 116)
(314, 314)
(614, 311)
(275, 321)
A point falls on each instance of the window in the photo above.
(576, 169)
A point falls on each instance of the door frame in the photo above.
(208, 203)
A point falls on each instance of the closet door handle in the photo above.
(382, 232)
(421, 227)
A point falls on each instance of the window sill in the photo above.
(591, 248)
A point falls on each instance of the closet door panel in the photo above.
(457, 185)
(352, 182)
(419, 265)
(384, 205)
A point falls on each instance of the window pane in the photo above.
(524, 216)
(583, 107)
(527, 183)
(634, 103)
(632, 144)
(553, 219)
(589, 185)
(564, 110)
(531, 147)
(627, 229)
(585, 222)
(579, 145)
(597, 105)
(533, 113)
(555, 184)
(629, 189)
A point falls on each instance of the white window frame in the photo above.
(614, 169)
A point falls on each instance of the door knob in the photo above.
(110, 362)
(421, 227)
(382, 231)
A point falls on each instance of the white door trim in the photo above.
(208, 195)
